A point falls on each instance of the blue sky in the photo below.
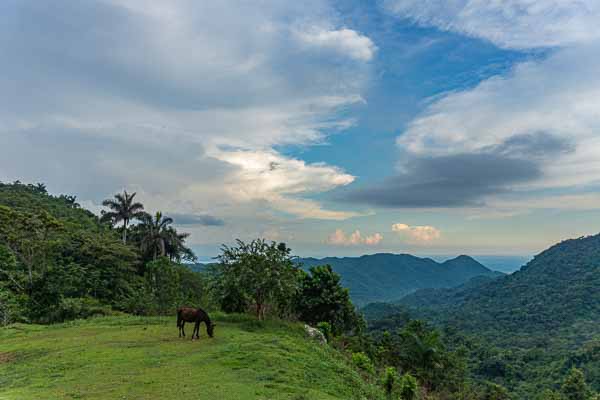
(340, 127)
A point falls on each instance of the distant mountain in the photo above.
(389, 277)
(506, 264)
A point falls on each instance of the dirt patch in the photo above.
(7, 357)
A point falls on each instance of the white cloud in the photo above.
(423, 234)
(559, 95)
(517, 24)
(340, 238)
(183, 101)
(344, 41)
(373, 239)
(266, 175)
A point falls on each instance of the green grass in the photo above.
(142, 358)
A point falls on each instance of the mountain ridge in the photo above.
(389, 277)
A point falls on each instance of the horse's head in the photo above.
(210, 329)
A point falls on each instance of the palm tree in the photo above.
(122, 209)
(156, 234)
(175, 246)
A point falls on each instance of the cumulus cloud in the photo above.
(423, 234)
(518, 24)
(556, 96)
(183, 101)
(345, 41)
(268, 176)
(340, 238)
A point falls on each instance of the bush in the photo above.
(12, 307)
(408, 387)
(76, 308)
(363, 362)
(389, 380)
(325, 328)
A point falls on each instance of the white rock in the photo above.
(315, 334)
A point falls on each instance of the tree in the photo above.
(175, 247)
(422, 350)
(30, 237)
(259, 272)
(574, 386)
(408, 387)
(496, 392)
(163, 283)
(390, 377)
(322, 298)
(122, 209)
(155, 234)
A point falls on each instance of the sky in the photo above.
(430, 127)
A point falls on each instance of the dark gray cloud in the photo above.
(533, 145)
(464, 179)
(449, 181)
(197, 219)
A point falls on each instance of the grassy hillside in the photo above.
(389, 277)
(142, 358)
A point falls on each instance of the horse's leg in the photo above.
(197, 329)
(182, 328)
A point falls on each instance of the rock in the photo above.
(315, 334)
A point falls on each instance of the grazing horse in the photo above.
(196, 315)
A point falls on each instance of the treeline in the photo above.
(59, 261)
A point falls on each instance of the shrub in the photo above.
(325, 328)
(363, 362)
(389, 380)
(76, 308)
(408, 387)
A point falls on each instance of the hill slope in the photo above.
(557, 289)
(389, 277)
(142, 358)
(443, 297)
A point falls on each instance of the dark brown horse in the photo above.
(196, 315)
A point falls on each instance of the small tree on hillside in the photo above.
(390, 377)
(322, 298)
(574, 387)
(258, 272)
(409, 387)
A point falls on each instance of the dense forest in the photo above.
(525, 330)
(530, 335)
